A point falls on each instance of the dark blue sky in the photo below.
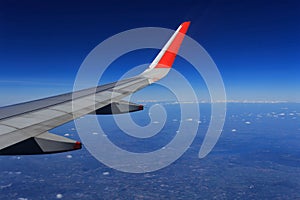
(255, 44)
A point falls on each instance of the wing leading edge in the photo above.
(24, 127)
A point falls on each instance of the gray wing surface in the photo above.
(24, 127)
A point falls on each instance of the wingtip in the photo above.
(184, 27)
(167, 55)
(187, 23)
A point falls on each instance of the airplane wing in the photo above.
(24, 127)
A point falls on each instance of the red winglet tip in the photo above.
(167, 59)
(187, 23)
(77, 145)
(184, 27)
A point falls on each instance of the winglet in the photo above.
(163, 62)
(167, 55)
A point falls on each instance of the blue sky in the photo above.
(255, 44)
